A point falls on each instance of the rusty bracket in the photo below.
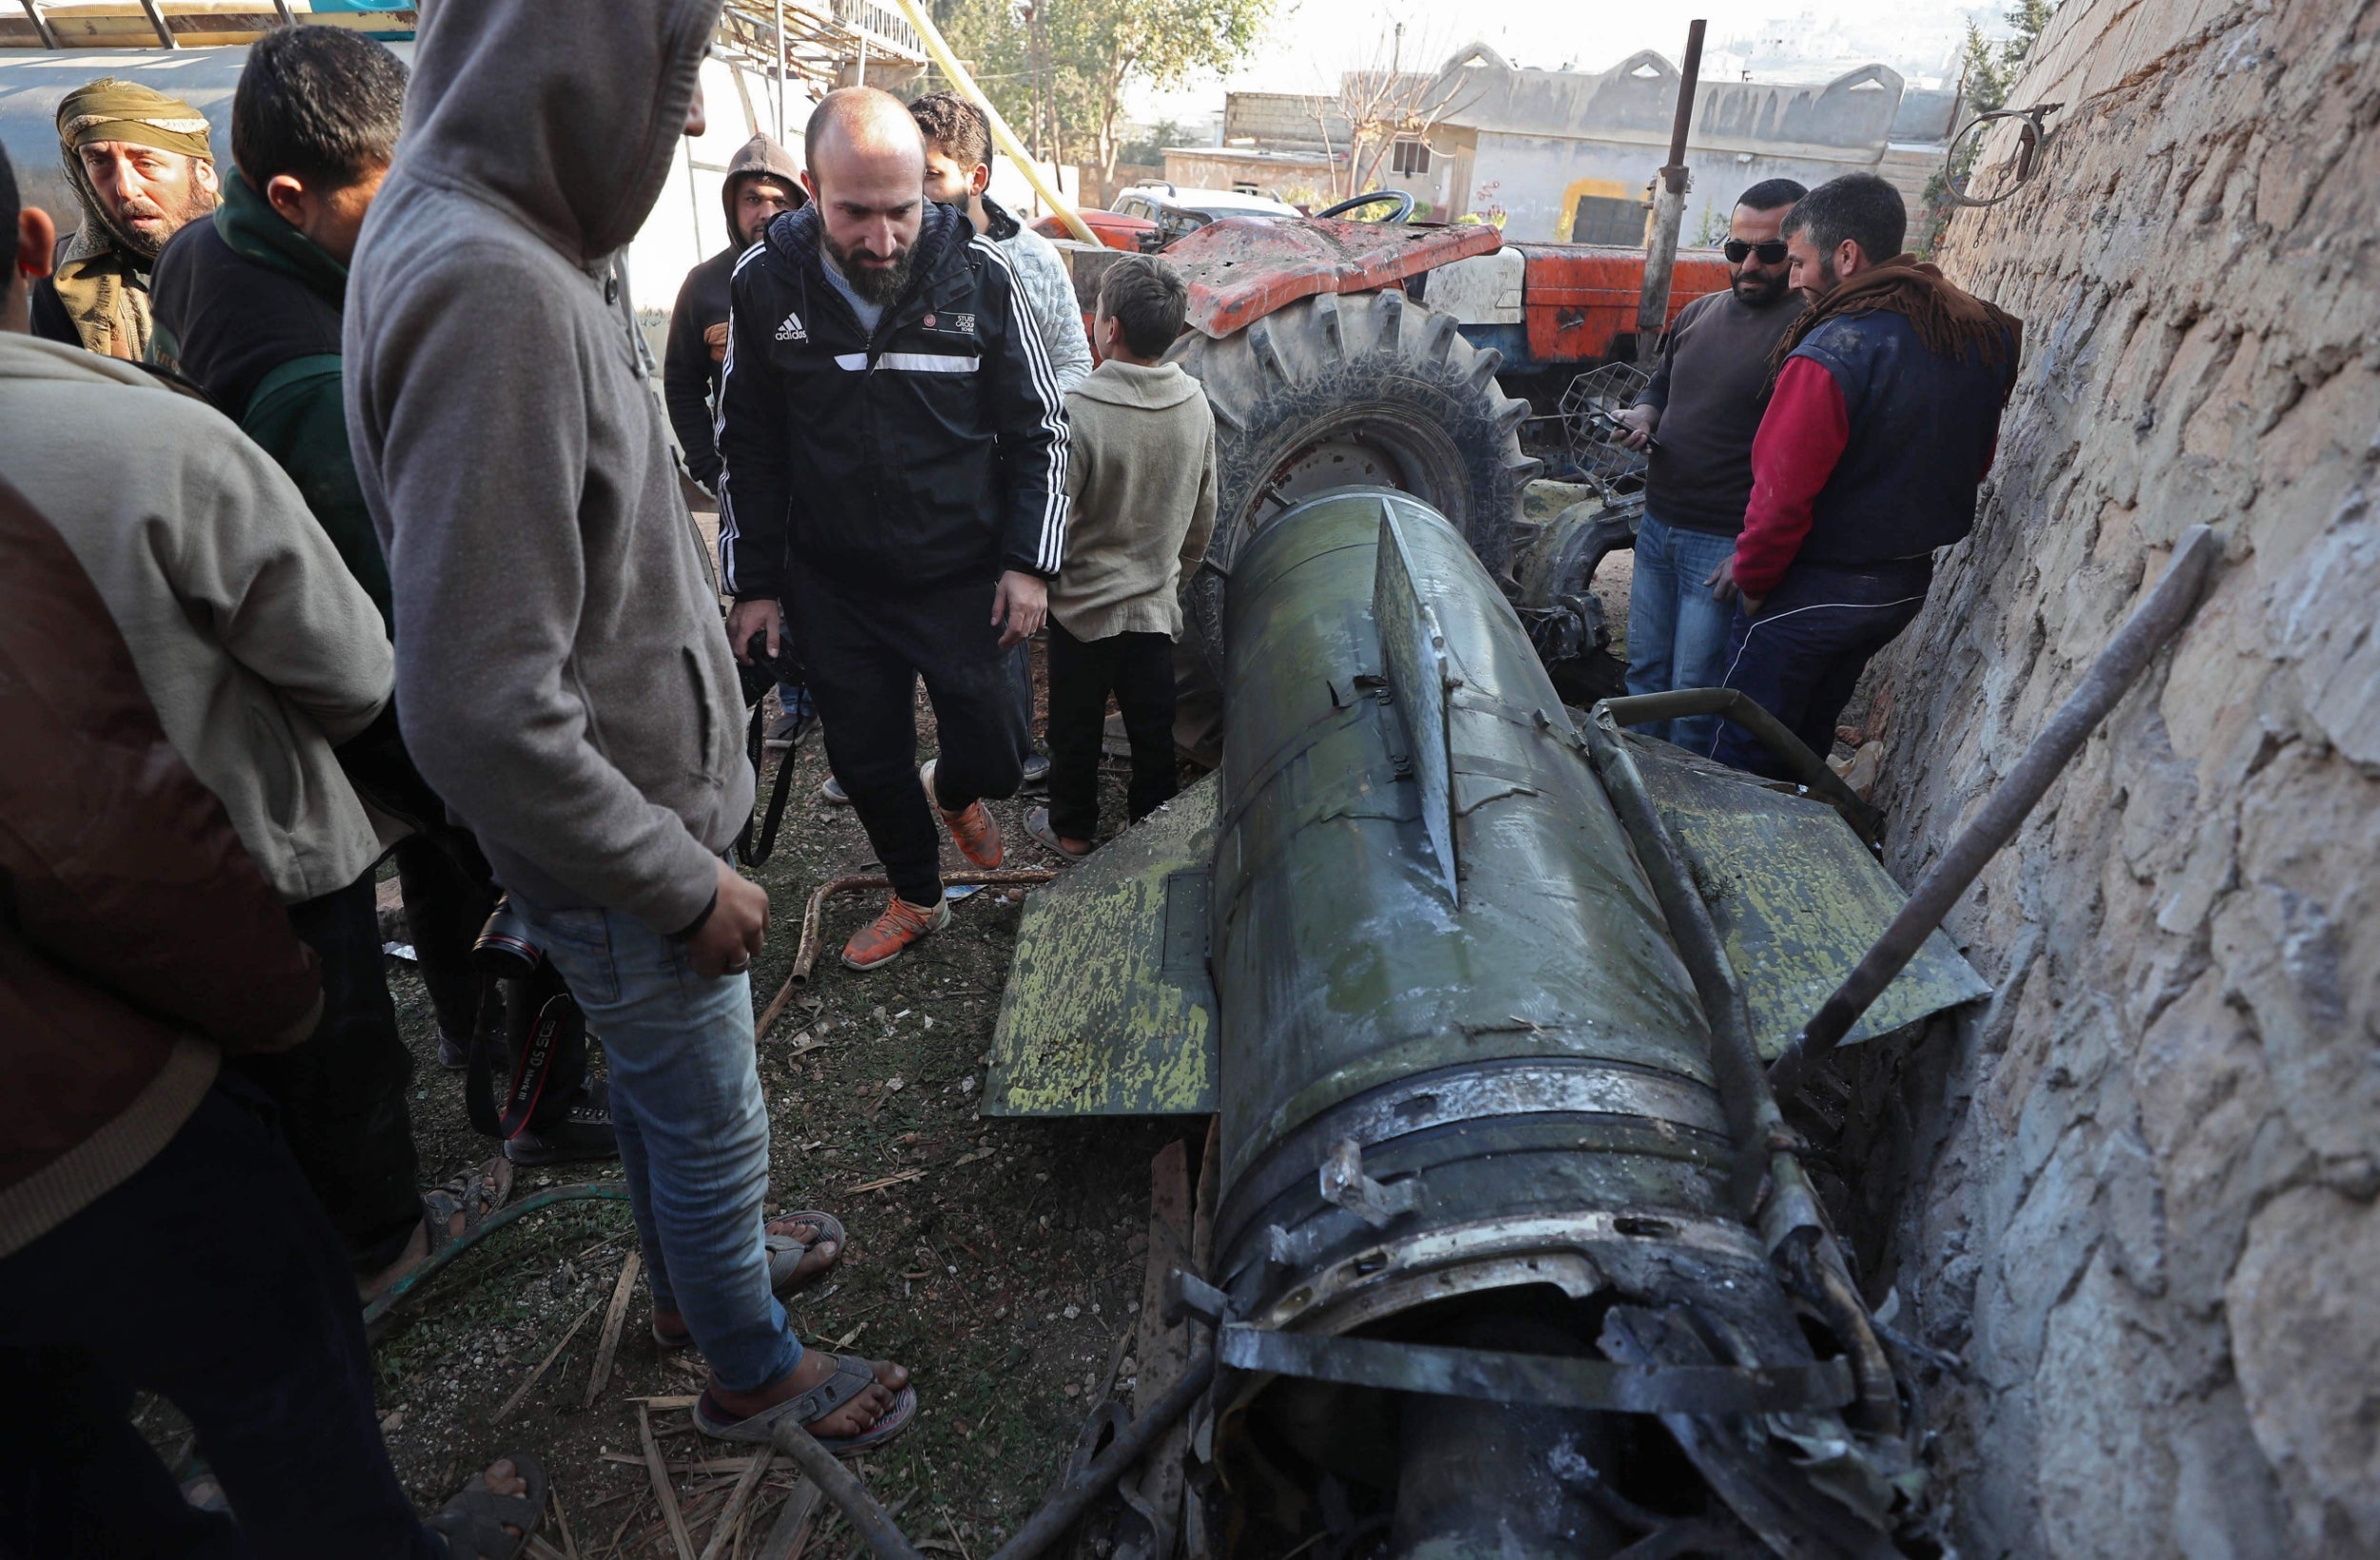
(1344, 1183)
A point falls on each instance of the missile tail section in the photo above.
(1510, 1254)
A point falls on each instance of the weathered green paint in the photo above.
(1341, 961)
(1108, 1009)
(1795, 897)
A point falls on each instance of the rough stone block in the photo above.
(2305, 1332)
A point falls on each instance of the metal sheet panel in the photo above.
(1795, 897)
(1240, 270)
(1108, 1009)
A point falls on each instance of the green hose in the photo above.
(376, 1315)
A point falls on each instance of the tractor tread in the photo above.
(1376, 366)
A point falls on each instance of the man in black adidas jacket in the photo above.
(894, 445)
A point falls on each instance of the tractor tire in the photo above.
(1342, 390)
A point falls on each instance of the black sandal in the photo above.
(473, 1522)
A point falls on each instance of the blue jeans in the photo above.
(1676, 633)
(685, 1102)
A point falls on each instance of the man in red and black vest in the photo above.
(1881, 426)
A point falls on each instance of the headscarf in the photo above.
(109, 109)
(1950, 321)
(102, 278)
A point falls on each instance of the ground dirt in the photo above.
(1003, 1263)
(1001, 1260)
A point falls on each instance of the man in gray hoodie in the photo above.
(560, 676)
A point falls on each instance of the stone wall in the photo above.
(2147, 1218)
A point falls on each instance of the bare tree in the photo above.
(1379, 105)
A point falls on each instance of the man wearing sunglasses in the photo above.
(1705, 398)
(1881, 423)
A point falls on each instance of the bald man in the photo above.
(894, 445)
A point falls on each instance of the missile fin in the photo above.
(1421, 680)
(1109, 1010)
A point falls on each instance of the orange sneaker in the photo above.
(880, 940)
(976, 830)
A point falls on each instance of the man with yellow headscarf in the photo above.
(140, 165)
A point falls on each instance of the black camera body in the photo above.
(765, 671)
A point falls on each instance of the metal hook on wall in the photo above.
(2031, 134)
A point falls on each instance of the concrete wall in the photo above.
(1541, 179)
(1285, 119)
(2150, 1226)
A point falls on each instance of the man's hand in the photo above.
(747, 619)
(1639, 421)
(734, 930)
(1020, 603)
(716, 338)
(1722, 579)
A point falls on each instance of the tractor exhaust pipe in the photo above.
(1669, 207)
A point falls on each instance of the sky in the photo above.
(1311, 41)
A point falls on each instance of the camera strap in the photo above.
(557, 1019)
(749, 850)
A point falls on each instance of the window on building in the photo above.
(1409, 158)
(1245, 189)
(1602, 219)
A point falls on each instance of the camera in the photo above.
(765, 671)
(504, 949)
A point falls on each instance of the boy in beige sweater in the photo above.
(1142, 474)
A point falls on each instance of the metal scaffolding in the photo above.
(816, 46)
(809, 46)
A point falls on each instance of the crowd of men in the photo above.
(405, 566)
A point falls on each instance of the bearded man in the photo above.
(1881, 424)
(895, 450)
(1705, 400)
(141, 167)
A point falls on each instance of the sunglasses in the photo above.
(1771, 253)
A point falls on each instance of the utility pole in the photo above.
(1669, 207)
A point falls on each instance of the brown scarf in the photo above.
(1950, 321)
(101, 279)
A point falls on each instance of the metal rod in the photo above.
(948, 63)
(874, 1524)
(1044, 1527)
(1765, 1147)
(780, 71)
(1809, 769)
(283, 8)
(1690, 75)
(1669, 207)
(157, 20)
(41, 22)
(1752, 1117)
(2169, 606)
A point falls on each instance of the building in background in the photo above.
(1568, 156)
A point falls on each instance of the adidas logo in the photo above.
(791, 330)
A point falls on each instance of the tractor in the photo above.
(1384, 353)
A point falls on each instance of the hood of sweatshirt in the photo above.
(256, 231)
(756, 158)
(1130, 384)
(567, 117)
